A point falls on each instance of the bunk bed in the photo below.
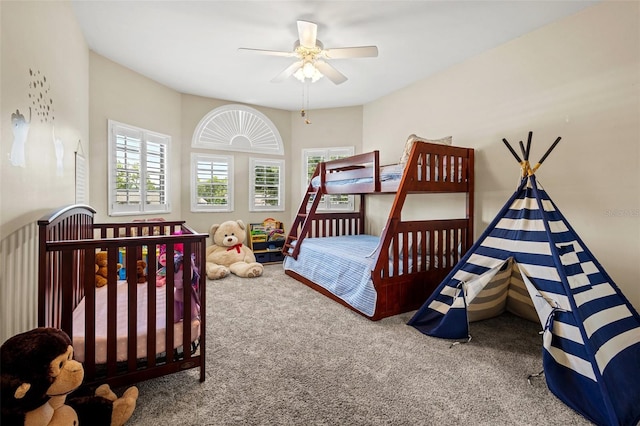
(385, 275)
(125, 331)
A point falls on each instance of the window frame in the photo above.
(117, 129)
(253, 163)
(325, 203)
(195, 206)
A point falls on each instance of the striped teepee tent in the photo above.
(530, 262)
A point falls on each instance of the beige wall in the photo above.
(194, 108)
(579, 79)
(42, 52)
(119, 94)
(337, 127)
(43, 38)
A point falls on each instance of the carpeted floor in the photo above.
(279, 353)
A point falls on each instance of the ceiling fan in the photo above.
(311, 56)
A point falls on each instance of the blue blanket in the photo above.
(342, 265)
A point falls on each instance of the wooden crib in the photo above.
(119, 330)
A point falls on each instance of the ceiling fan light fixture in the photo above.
(308, 71)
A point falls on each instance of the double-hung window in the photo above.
(138, 170)
(211, 183)
(266, 183)
(310, 159)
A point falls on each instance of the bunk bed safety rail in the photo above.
(335, 224)
(361, 166)
(422, 246)
(440, 168)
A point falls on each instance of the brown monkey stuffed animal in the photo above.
(38, 373)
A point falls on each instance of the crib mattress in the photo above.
(123, 323)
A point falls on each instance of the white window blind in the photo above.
(236, 127)
(211, 183)
(267, 185)
(138, 170)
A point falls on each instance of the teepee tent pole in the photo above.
(512, 151)
(524, 152)
(546, 154)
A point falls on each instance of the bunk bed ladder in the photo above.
(302, 222)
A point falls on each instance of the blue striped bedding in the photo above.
(342, 265)
(389, 172)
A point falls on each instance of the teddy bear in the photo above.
(38, 372)
(140, 268)
(228, 254)
(101, 268)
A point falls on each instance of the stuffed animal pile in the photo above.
(38, 373)
(228, 254)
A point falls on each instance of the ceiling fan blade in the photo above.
(330, 72)
(307, 33)
(287, 72)
(351, 52)
(267, 52)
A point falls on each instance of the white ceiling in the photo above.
(192, 46)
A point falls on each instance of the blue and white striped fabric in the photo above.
(389, 172)
(341, 265)
(591, 340)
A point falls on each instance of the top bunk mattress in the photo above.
(389, 173)
(392, 172)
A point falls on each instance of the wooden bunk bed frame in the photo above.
(68, 242)
(431, 168)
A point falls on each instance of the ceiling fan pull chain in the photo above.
(307, 120)
(304, 112)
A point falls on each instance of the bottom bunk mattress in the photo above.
(123, 323)
(341, 265)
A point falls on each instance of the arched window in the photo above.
(238, 128)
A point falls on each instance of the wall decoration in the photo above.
(40, 98)
(58, 146)
(20, 128)
(41, 107)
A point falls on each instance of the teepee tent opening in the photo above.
(531, 262)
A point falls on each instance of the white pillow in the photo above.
(413, 138)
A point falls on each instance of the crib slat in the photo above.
(151, 307)
(169, 338)
(132, 306)
(186, 297)
(90, 315)
(112, 318)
